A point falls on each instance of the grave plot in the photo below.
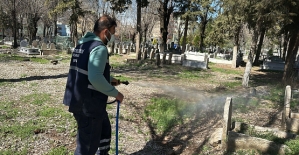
(240, 136)
(30, 51)
(290, 116)
(48, 51)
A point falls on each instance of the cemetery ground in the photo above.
(167, 110)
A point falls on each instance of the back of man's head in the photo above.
(104, 22)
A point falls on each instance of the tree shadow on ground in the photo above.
(189, 136)
(262, 77)
(32, 78)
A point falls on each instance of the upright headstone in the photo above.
(183, 58)
(187, 47)
(44, 46)
(144, 55)
(23, 43)
(164, 58)
(227, 115)
(169, 58)
(152, 54)
(52, 46)
(287, 106)
(158, 61)
(34, 44)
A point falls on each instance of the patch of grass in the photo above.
(23, 75)
(8, 111)
(22, 130)
(233, 84)
(58, 151)
(36, 98)
(52, 112)
(215, 68)
(244, 105)
(276, 95)
(193, 74)
(242, 152)
(34, 84)
(294, 147)
(14, 152)
(166, 113)
(22, 58)
(39, 60)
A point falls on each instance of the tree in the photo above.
(75, 10)
(4, 17)
(12, 7)
(164, 11)
(33, 11)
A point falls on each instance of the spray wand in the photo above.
(117, 115)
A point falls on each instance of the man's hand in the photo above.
(119, 97)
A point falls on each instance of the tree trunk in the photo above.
(44, 30)
(14, 16)
(185, 34)
(236, 46)
(164, 21)
(138, 38)
(55, 25)
(245, 82)
(289, 72)
(259, 47)
(203, 25)
(286, 40)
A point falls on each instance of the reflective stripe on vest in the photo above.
(79, 70)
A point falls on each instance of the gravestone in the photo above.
(169, 58)
(158, 61)
(44, 46)
(227, 115)
(287, 106)
(187, 47)
(152, 54)
(34, 44)
(23, 44)
(164, 58)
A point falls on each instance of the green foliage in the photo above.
(8, 111)
(36, 98)
(166, 113)
(6, 57)
(22, 130)
(58, 151)
(14, 152)
(52, 112)
(194, 74)
(276, 95)
(294, 147)
(225, 70)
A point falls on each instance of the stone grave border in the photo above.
(230, 140)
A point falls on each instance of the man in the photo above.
(88, 87)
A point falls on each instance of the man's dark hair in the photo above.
(104, 22)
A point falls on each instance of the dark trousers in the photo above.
(105, 137)
(89, 133)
